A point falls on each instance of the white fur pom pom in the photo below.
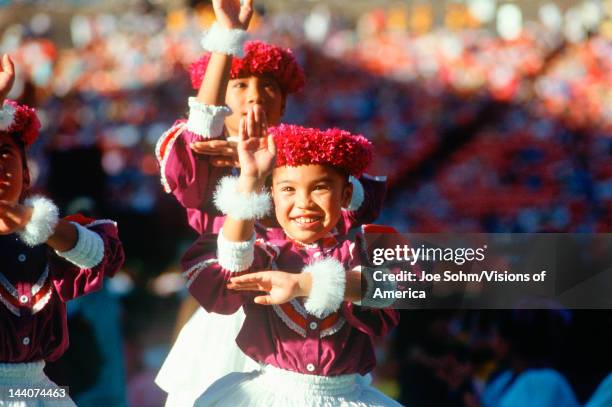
(240, 205)
(328, 284)
(45, 216)
(224, 41)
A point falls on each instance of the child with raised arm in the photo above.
(47, 261)
(309, 333)
(194, 154)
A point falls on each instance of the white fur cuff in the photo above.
(45, 216)
(235, 256)
(88, 251)
(224, 41)
(7, 116)
(358, 194)
(206, 120)
(240, 205)
(328, 283)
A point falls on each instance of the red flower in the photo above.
(298, 145)
(260, 58)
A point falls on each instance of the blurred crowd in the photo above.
(476, 133)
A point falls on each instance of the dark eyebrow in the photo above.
(324, 179)
(285, 181)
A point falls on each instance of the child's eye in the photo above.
(287, 189)
(240, 85)
(321, 187)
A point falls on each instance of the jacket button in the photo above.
(23, 299)
(21, 258)
(310, 367)
(313, 325)
(26, 341)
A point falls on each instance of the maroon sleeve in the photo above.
(71, 281)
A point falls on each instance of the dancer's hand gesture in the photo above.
(13, 217)
(256, 149)
(233, 14)
(222, 153)
(7, 77)
(281, 287)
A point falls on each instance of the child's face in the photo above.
(308, 200)
(12, 175)
(243, 93)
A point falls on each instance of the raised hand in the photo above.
(281, 287)
(7, 76)
(256, 149)
(233, 14)
(13, 217)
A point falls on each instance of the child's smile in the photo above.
(308, 200)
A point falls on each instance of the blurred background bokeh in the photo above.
(487, 116)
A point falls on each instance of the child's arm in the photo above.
(207, 273)
(230, 15)
(186, 171)
(85, 250)
(242, 205)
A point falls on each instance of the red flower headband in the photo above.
(298, 145)
(259, 58)
(20, 121)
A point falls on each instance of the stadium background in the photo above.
(488, 116)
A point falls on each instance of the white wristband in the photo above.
(88, 251)
(328, 284)
(206, 120)
(224, 40)
(7, 116)
(240, 205)
(45, 216)
(235, 256)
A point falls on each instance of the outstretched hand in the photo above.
(13, 217)
(233, 14)
(7, 77)
(281, 287)
(256, 149)
(222, 153)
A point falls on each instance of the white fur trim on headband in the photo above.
(7, 116)
(328, 283)
(358, 194)
(235, 256)
(45, 216)
(88, 251)
(206, 120)
(240, 205)
(224, 40)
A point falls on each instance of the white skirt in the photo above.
(28, 376)
(204, 351)
(273, 387)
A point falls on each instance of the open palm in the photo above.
(256, 149)
(232, 14)
(281, 287)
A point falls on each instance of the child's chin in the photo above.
(306, 237)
